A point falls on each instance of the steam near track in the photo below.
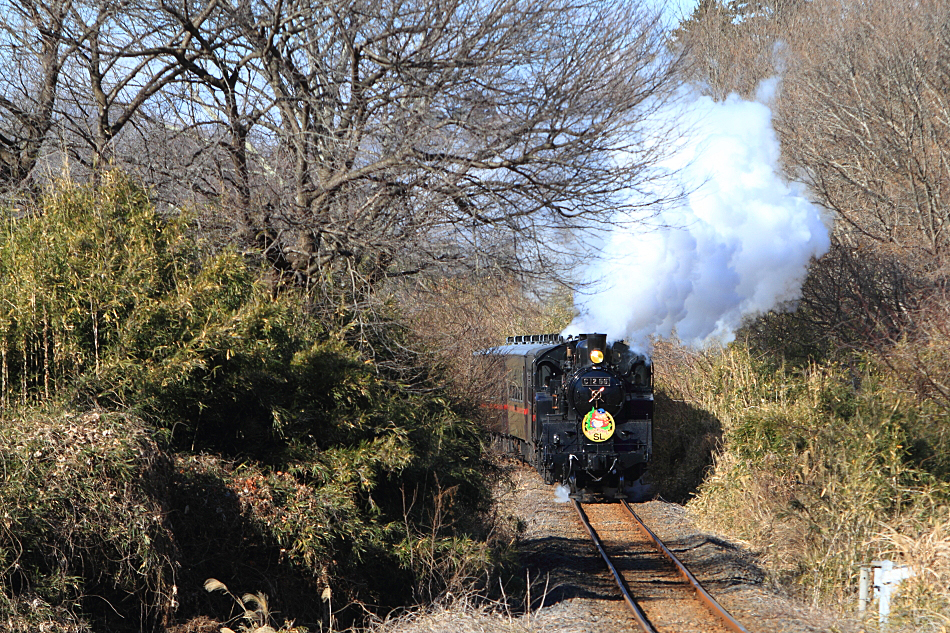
(739, 243)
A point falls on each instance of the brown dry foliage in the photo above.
(686, 435)
(864, 119)
(732, 48)
(457, 316)
(926, 549)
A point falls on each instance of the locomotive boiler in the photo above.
(579, 410)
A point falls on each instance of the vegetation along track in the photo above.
(652, 586)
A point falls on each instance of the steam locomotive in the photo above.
(578, 410)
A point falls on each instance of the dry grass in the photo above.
(463, 615)
(923, 603)
(456, 317)
(815, 472)
(80, 518)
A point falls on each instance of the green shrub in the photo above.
(254, 445)
(108, 303)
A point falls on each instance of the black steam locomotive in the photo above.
(578, 410)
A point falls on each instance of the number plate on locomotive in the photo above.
(597, 381)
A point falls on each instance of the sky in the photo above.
(676, 10)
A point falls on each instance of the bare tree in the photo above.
(401, 128)
(363, 143)
(220, 101)
(121, 65)
(865, 119)
(865, 116)
(33, 48)
(732, 46)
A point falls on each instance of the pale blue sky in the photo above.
(678, 9)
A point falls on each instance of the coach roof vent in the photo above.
(552, 339)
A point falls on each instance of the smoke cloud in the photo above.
(738, 244)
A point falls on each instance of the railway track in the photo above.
(662, 594)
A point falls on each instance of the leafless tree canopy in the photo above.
(733, 45)
(351, 142)
(866, 117)
(864, 120)
(31, 62)
(862, 114)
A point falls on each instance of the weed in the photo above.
(255, 615)
(82, 517)
(815, 463)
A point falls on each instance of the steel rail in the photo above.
(704, 596)
(637, 611)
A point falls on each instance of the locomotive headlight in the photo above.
(596, 356)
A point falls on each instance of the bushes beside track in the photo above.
(824, 467)
(167, 419)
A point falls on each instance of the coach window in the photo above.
(516, 384)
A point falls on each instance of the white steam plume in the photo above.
(739, 244)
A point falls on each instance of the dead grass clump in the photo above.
(29, 615)
(923, 602)
(460, 616)
(254, 613)
(921, 362)
(82, 528)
